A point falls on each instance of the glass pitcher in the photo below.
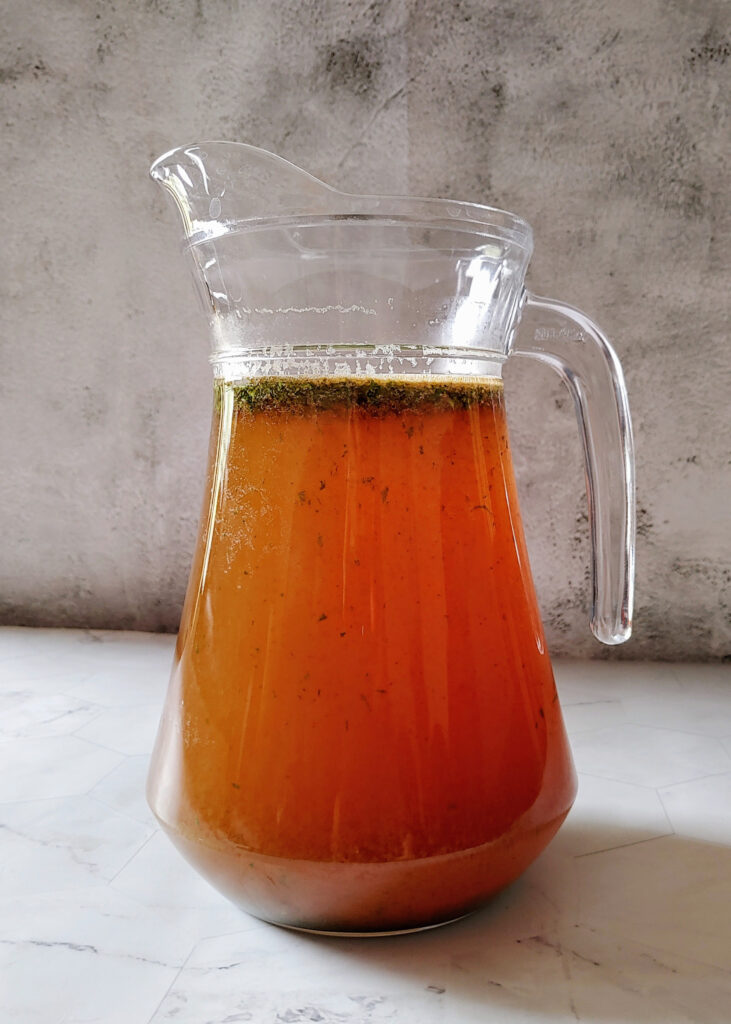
(362, 732)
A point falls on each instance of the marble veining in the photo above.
(625, 918)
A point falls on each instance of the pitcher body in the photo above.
(362, 732)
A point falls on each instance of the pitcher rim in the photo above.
(515, 227)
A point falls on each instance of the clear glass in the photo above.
(362, 732)
(580, 352)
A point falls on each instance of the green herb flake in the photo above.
(375, 395)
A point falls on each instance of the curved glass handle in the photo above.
(580, 352)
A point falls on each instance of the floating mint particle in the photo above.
(378, 396)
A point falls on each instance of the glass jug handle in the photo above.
(580, 352)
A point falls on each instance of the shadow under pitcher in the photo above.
(361, 732)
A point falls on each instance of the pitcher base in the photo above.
(358, 899)
(371, 935)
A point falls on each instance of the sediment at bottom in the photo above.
(362, 898)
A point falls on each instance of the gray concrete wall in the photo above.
(603, 124)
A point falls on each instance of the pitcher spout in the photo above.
(218, 186)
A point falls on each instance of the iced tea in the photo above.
(362, 732)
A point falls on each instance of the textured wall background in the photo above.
(600, 123)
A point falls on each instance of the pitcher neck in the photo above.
(412, 362)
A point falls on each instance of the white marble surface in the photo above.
(626, 917)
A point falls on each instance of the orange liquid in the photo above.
(362, 730)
